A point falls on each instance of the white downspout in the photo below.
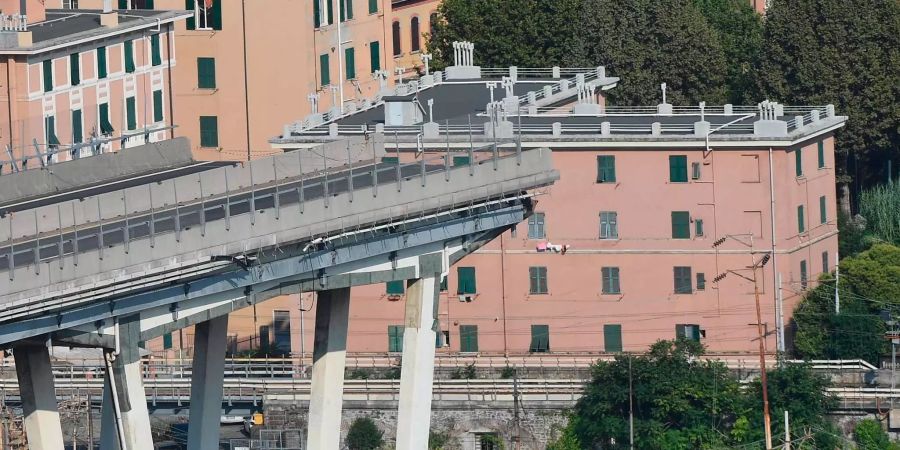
(340, 48)
(779, 308)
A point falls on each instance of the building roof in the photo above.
(66, 27)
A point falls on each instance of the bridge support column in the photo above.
(41, 423)
(109, 434)
(329, 352)
(126, 384)
(210, 342)
(417, 373)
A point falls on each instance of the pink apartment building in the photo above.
(98, 81)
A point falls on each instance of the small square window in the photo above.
(610, 277)
(609, 225)
(536, 226)
(695, 171)
(537, 280)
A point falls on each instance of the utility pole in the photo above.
(90, 422)
(516, 405)
(630, 407)
(787, 431)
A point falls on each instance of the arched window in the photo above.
(396, 33)
(432, 20)
(414, 34)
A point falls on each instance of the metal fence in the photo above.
(272, 439)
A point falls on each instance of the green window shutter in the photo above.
(679, 331)
(209, 131)
(390, 160)
(148, 4)
(77, 126)
(821, 148)
(324, 70)
(131, 113)
(317, 19)
(798, 161)
(349, 8)
(206, 73)
(678, 169)
(468, 338)
(444, 283)
(395, 287)
(609, 225)
(341, 13)
(801, 219)
(50, 124)
(825, 262)
(373, 6)
(129, 56)
(329, 6)
(215, 15)
(167, 341)
(75, 68)
(612, 338)
(101, 62)
(48, 75)
(191, 22)
(105, 126)
(823, 211)
(264, 339)
(466, 280)
(698, 227)
(536, 226)
(123, 4)
(606, 169)
(804, 275)
(610, 280)
(460, 161)
(158, 106)
(395, 338)
(537, 280)
(156, 58)
(350, 62)
(681, 225)
(683, 283)
(701, 281)
(375, 55)
(540, 338)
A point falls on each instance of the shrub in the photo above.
(364, 435)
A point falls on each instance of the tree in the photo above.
(648, 42)
(525, 33)
(364, 435)
(817, 52)
(739, 28)
(870, 435)
(880, 206)
(567, 440)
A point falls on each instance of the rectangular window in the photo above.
(350, 63)
(48, 75)
(804, 275)
(373, 6)
(324, 70)
(688, 331)
(681, 225)
(468, 338)
(77, 126)
(701, 281)
(395, 338)
(396, 287)
(537, 277)
(346, 9)
(264, 339)
(50, 125)
(317, 14)
(106, 127)
(536, 226)
(101, 62)
(683, 280)
(612, 338)
(207, 14)
(158, 106)
(801, 219)
(825, 262)
(606, 169)
(206, 73)
(465, 280)
(540, 338)
(374, 56)
(460, 161)
(209, 131)
(167, 341)
(131, 113)
(698, 227)
(129, 56)
(823, 210)
(678, 169)
(281, 328)
(609, 225)
(821, 148)
(156, 58)
(444, 283)
(798, 162)
(390, 160)
(695, 171)
(610, 277)
(75, 68)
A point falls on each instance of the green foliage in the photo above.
(648, 42)
(567, 440)
(359, 374)
(852, 238)
(870, 435)
(508, 372)
(364, 435)
(880, 206)
(441, 440)
(817, 52)
(466, 372)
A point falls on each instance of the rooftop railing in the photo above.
(13, 22)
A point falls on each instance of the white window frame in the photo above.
(200, 10)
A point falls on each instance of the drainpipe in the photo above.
(169, 36)
(246, 84)
(779, 312)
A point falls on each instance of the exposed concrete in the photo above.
(109, 435)
(41, 417)
(206, 383)
(128, 387)
(417, 373)
(329, 354)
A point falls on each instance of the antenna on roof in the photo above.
(426, 58)
(399, 71)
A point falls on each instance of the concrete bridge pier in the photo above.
(210, 344)
(125, 404)
(329, 357)
(417, 373)
(41, 423)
